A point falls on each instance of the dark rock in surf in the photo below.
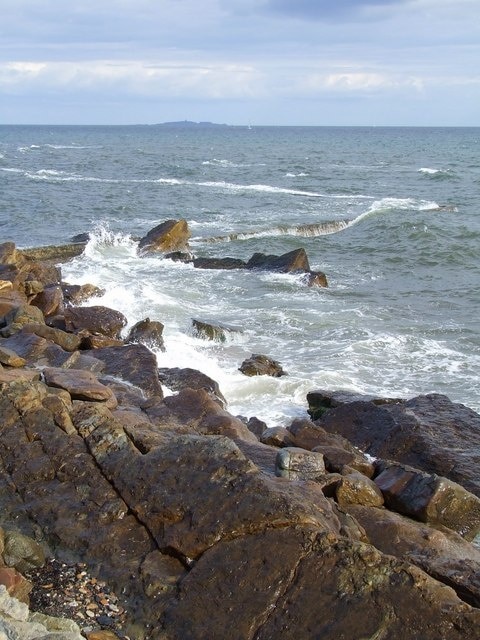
(147, 332)
(317, 279)
(293, 261)
(219, 263)
(210, 331)
(428, 432)
(171, 235)
(178, 379)
(180, 256)
(260, 365)
(78, 293)
(96, 319)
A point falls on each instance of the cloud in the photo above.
(328, 9)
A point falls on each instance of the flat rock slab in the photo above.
(80, 384)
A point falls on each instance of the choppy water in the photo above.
(391, 215)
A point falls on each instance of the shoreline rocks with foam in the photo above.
(179, 505)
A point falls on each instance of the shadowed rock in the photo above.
(292, 261)
(95, 319)
(178, 379)
(260, 365)
(147, 332)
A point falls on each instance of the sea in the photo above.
(390, 215)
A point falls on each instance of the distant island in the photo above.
(190, 123)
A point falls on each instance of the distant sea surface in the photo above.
(391, 215)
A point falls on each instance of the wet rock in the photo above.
(356, 488)
(147, 332)
(219, 263)
(81, 385)
(429, 498)
(28, 346)
(299, 464)
(180, 256)
(442, 553)
(178, 379)
(21, 552)
(132, 363)
(427, 432)
(360, 591)
(317, 279)
(95, 319)
(337, 451)
(276, 437)
(78, 293)
(293, 261)
(260, 365)
(212, 331)
(171, 235)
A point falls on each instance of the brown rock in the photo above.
(18, 375)
(17, 318)
(95, 319)
(133, 363)
(171, 235)
(299, 464)
(68, 341)
(260, 365)
(356, 488)
(17, 586)
(178, 379)
(77, 293)
(10, 358)
(49, 301)
(317, 279)
(277, 437)
(219, 263)
(429, 498)
(292, 261)
(440, 552)
(211, 331)
(147, 332)
(22, 552)
(81, 385)
(337, 451)
(427, 432)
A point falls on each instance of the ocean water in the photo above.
(391, 215)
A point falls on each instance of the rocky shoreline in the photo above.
(148, 516)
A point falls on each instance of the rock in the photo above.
(147, 332)
(180, 256)
(33, 287)
(298, 464)
(20, 316)
(317, 279)
(321, 400)
(21, 552)
(293, 261)
(429, 498)
(356, 488)
(171, 235)
(95, 319)
(178, 379)
(442, 553)
(132, 363)
(160, 574)
(10, 255)
(10, 358)
(301, 584)
(5, 285)
(68, 341)
(18, 375)
(256, 426)
(427, 432)
(77, 293)
(260, 365)
(277, 437)
(211, 331)
(219, 263)
(97, 341)
(49, 301)
(17, 586)
(337, 451)
(81, 385)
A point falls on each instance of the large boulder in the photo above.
(95, 319)
(81, 385)
(178, 379)
(171, 235)
(147, 332)
(428, 432)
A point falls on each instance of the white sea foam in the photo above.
(296, 175)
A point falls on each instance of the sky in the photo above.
(248, 62)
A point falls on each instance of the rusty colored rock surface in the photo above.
(171, 235)
(95, 319)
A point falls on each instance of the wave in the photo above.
(437, 173)
(315, 229)
(296, 175)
